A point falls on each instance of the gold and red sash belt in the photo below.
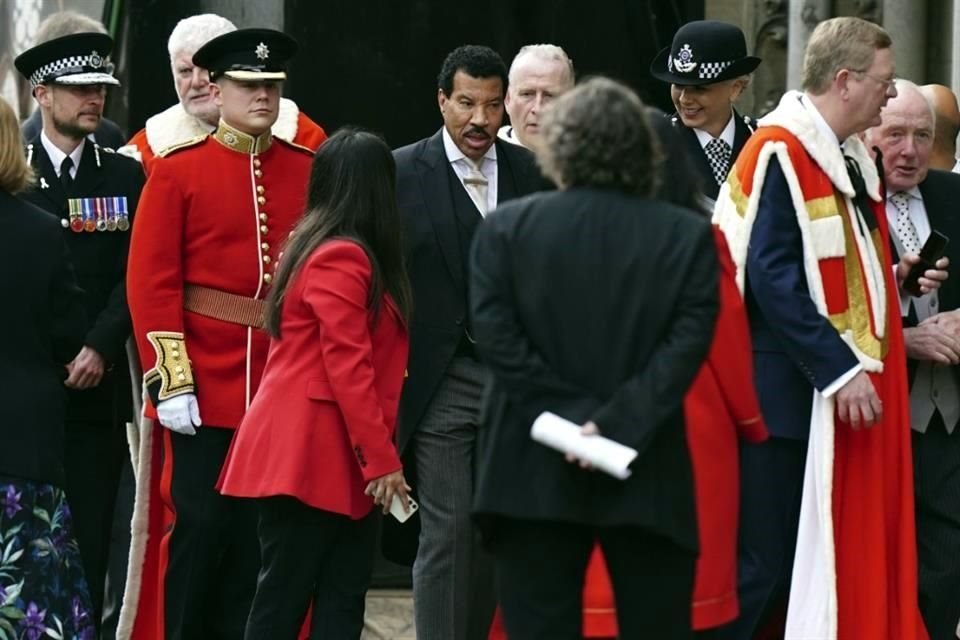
(221, 305)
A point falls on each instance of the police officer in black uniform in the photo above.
(94, 192)
(708, 68)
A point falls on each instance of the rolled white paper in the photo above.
(604, 454)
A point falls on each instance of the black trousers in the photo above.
(213, 556)
(936, 472)
(771, 488)
(93, 458)
(313, 557)
(540, 570)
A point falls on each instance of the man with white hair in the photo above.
(920, 200)
(538, 74)
(196, 114)
(946, 126)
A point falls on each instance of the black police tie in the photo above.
(65, 179)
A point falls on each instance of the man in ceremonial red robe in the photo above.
(827, 507)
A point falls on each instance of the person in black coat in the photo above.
(43, 324)
(94, 193)
(596, 303)
(921, 200)
(708, 68)
(445, 185)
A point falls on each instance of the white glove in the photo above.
(180, 414)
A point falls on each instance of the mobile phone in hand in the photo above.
(396, 508)
(932, 251)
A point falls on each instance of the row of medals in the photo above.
(98, 214)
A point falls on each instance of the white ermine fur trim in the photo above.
(285, 127)
(827, 237)
(737, 230)
(812, 606)
(175, 126)
(139, 527)
(793, 116)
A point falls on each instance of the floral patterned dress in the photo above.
(43, 592)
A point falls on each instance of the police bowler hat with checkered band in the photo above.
(248, 55)
(79, 58)
(704, 52)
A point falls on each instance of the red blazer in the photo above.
(322, 424)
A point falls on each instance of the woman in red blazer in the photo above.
(316, 448)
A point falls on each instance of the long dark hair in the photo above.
(681, 184)
(352, 195)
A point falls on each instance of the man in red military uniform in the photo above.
(212, 219)
(196, 113)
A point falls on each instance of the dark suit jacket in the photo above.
(436, 260)
(596, 306)
(743, 128)
(940, 191)
(100, 258)
(795, 349)
(108, 133)
(43, 324)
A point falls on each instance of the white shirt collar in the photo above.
(454, 154)
(913, 192)
(726, 135)
(57, 156)
(956, 167)
(818, 119)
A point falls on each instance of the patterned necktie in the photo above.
(905, 229)
(476, 184)
(65, 179)
(718, 154)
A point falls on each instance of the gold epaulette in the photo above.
(182, 145)
(296, 146)
(172, 369)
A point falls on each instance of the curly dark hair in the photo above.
(598, 135)
(476, 61)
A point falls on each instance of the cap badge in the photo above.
(262, 51)
(95, 60)
(684, 61)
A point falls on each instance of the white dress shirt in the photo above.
(57, 156)
(462, 165)
(726, 135)
(918, 216)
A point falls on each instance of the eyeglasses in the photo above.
(888, 83)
